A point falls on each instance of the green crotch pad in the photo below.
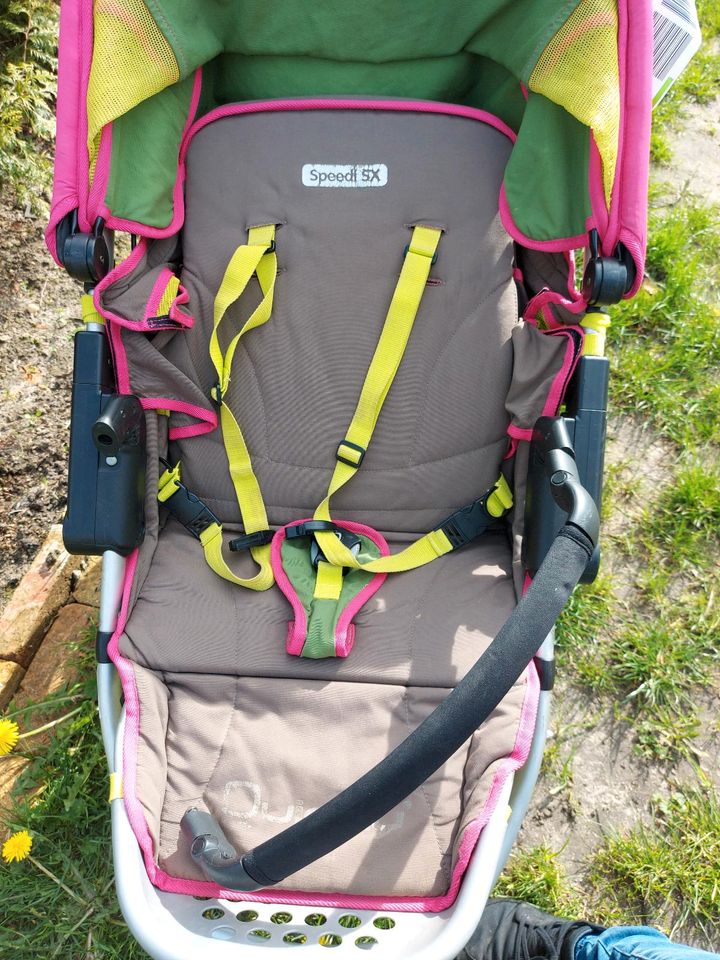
(324, 598)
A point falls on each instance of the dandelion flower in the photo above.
(9, 735)
(17, 847)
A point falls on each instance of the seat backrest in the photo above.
(442, 433)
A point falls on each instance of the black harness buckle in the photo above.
(468, 523)
(258, 539)
(307, 528)
(190, 511)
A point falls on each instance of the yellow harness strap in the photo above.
(381, 373)
(255, 257)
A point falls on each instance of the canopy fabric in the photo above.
(570, 77)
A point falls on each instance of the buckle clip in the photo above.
(347, 445)
(470, 522)
(249, 540)
(309, 527)
(190, 510)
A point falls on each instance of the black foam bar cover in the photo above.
(442, 733)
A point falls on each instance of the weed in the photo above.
(62, 903)
(28, 59)
(536, 876)
(668, 869)
(667, 340)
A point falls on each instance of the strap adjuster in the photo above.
(352, 448)
(307, 528)
(258, 539)
(190, 511)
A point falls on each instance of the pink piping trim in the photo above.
(174, 313)
(96, 202)
(560, 382)
(345, 632)
(549, 298)
(270, 106)
(551, 246)
(558, 386)
(208, 418)
(519, 433)
(628, 207)
(178, 315)
(393, 106)
(74, 55)
(87, 39)
(115, 325)
(191, 430)
(512, 447)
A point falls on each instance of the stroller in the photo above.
(337, 429)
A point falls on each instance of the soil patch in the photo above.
(39, 307)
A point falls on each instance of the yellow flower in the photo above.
(17, 847)
(9, 735)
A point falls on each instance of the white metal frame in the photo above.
(175, 927)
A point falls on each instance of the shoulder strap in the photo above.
(419, 257)
(256, 257)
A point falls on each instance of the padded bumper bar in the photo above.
(433, 742)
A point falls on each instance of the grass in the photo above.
(668, 869)
(537, 876)
(62, 902)
(665, 343)
(663, 874)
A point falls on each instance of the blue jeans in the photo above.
(635, 943)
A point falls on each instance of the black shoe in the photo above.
(513, 930)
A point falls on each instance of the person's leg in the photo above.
(635, 943)
(514, 930)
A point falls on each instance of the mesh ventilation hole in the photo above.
(330, 940)
(213, 913)
(295, 938)
(247, 916)
(281, 918)
(366, 943)
(315, 919)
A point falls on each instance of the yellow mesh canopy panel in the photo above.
(579, 70)
(132, 60)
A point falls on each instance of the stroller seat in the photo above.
(338, 424)
(219, 716)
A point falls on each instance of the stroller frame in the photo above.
(172, 926)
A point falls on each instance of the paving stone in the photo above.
(37, 599)
(10, 769)
(10, 676)
(87, 587)
(54, 665)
